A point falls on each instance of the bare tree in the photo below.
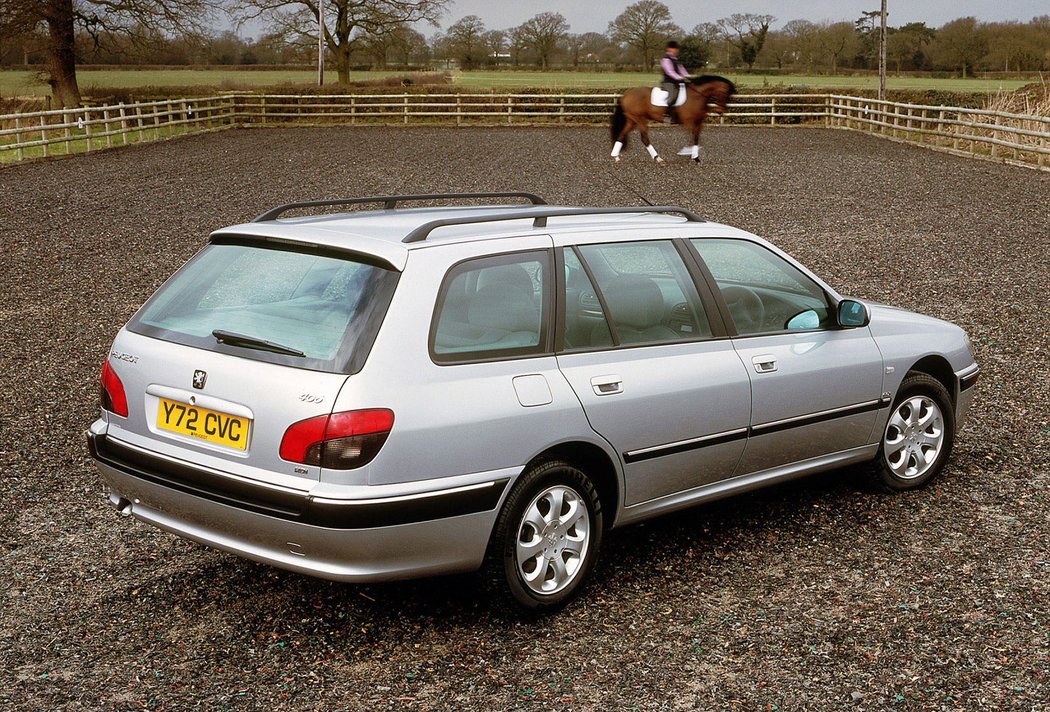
(644, 26)
(542, 33)
(587, 47)
(747, 32)
(346, 22)
(838, 41)
(97, 18)
(802, 37)
(397, 39)
(907, 45)
(495, 42)
(465, 40)
(961, 44)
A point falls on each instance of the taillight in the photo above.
(340, 441)
(113, 398)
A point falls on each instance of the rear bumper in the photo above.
(436, 531)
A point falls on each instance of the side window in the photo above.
(492, 308)
(641, 293)
(585, 324)
(764, 292)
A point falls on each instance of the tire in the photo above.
(918, 436)
(543, 559)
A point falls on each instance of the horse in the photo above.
(635, 110)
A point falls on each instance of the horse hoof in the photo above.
(616, 159)
(696, 160)
(659, 159)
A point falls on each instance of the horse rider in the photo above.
(674, 73)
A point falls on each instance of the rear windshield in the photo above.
(294, 307)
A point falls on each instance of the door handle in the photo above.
(766, 363)
(607, 385)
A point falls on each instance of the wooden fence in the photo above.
(1013, 138)
(65, 131)
(1021, 139)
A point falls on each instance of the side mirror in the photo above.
(852, 314)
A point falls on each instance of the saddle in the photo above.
(659, 96)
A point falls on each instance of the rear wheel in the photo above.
(919, 433)
(548, 535)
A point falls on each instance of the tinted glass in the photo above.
(764, 292)
(648, 292)
(315, 304)
(493, 307)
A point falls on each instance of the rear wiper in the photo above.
(251, 342)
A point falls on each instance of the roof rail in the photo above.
(539, 217)
(390, 201)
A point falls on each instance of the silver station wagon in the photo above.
(410, 391)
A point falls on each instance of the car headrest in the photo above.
(504, 306)
(635, 301)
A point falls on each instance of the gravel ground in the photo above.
(817, 594)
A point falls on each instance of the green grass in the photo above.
(600, 80)
(78, 142)
(22, 83)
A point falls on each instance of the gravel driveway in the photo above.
(821, 593)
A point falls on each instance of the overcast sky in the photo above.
(594, 15)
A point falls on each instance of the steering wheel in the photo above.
(746, 308)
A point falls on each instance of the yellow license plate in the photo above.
(209, 425)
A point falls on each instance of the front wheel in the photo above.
(548, 535)
(919, 433)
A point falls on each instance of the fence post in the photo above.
(773, 111)
(105, 128)
(18, 136)
(87, 127)
(561, 111)
(123, 124)
(828, 121)
(1042, 156)
(68, 132)
(459, 111)
(508, 110)
(185, 114)
(405, 108)
(353, 111)
(940, 126)
(43, 136)
(138, 122)
(995, 136)
(955, 132)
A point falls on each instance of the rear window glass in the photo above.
(316, 311)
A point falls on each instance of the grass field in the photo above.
(22, 83)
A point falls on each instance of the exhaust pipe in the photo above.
(122, 504)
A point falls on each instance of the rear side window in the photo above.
(495, 307)
(300, 308)
(645, 292)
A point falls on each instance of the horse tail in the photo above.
(619, 120)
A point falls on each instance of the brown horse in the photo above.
(634, 110)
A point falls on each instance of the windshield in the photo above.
(301, 308)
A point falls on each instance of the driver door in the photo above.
(816, 388)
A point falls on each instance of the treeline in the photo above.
(634, 39)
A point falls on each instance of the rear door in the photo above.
(650, 365)
(240, 344)
(816, 388)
